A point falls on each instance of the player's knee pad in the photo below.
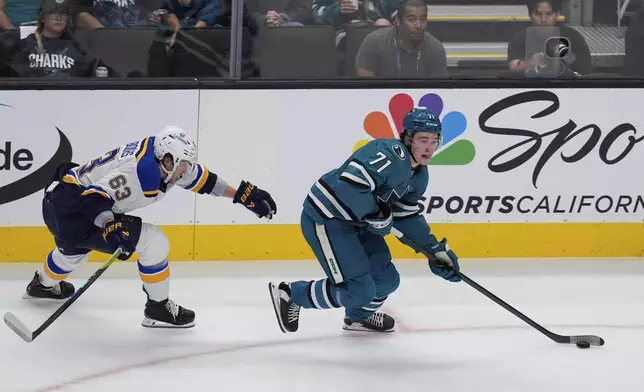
(387, 280)
(153, 246)
(359, 291)
(71, 261)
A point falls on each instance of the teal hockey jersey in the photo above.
(379, 171)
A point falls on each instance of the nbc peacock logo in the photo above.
(454, 150)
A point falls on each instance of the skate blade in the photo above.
(273, 290)
(29, 297)
(150, 323)
(363, 329)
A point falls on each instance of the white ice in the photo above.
(449, 337)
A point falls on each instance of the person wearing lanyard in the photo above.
(404, 50)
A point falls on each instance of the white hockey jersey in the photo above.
(130, 176)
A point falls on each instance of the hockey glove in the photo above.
(444, 262)
(258, 201)
(116, 233)
(382, 223)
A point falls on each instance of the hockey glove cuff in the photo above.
(382, 223)
(257, 200)
(444, 262)
(116, 233)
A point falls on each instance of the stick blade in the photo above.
(18, 327)
(592, 339)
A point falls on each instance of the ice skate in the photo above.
(287, 313)
(378, 322)
(36, 290)
(167, 314)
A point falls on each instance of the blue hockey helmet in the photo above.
(421, 120)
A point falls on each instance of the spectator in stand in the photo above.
(120, 13)
(295, 13)
(544, 13)
(192, 13)
(405, 50)
(13, 13)
(201, 14)
(51, 51)
(342, 14)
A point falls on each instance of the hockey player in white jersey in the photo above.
(85, 208)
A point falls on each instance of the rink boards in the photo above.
(522, 173)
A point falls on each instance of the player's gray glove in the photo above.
(444, 262)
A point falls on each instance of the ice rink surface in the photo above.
(449, 337)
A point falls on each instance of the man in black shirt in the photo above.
(544, 13)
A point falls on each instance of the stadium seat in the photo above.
(9, 42)
(125, 50)
(206, 53)
(297, 52)
(354, 38)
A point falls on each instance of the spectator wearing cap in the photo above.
(13, 13)
(52, 51)
(404, 50)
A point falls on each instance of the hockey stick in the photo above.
(27, 335)
(592, 339)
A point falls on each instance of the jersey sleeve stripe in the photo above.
(196, 180)
(202, 181)
(365, 174)
(319, 206)
(354, 180)
(332, 200)
(95, 190)
(143, 149)
(151, 193)
(327, 191)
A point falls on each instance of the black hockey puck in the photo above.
(583, 344)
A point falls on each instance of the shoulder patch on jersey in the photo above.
(399, 151)
(147, 170)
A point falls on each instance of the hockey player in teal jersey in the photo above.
(346, 215)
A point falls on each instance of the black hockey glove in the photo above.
(116, 233)
(258, 201)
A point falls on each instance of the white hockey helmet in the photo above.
(178, 143)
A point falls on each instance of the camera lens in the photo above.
(557, 47)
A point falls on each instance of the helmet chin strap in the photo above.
(168, 173)
(411, 153)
